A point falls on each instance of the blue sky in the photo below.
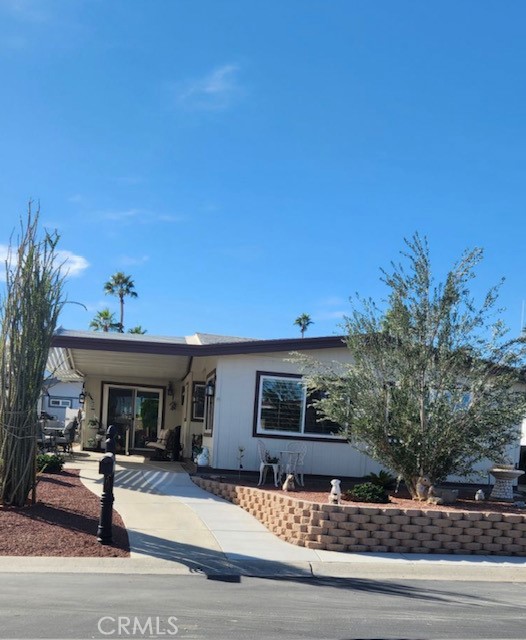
(247, 161)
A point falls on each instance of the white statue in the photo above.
(335, 494)
(203, 458)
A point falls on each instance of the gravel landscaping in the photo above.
(63, 522)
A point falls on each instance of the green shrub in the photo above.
(367, 492)
(49, 463)
(381, 479)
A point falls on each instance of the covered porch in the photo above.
(142, 385)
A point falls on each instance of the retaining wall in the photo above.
(377, 528)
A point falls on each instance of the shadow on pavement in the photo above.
(214, 565)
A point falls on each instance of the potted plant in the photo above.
(96, 434)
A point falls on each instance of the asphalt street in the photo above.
(236, 607)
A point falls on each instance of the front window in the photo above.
(284, 407)
(198, 402)
(314, 423)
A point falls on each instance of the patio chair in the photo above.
(45, 442)
(264, 465)
(66, 441)
(299, 448)
(162, 446)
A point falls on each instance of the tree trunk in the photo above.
(17, 453)
(29, 314)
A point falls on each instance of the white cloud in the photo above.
(72, 264)
(4, 253)
(213, 92)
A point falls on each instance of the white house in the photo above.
(230, 391)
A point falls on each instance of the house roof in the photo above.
(75, 354)
(212, 338)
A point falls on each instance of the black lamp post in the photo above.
(107, 469)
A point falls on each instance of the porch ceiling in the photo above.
(116, 364)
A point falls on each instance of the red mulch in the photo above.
(313, 492)
(63, 522)
(407, 503)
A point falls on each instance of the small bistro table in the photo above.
(263, 472)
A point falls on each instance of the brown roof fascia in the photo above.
(269, 346)
(197, 350)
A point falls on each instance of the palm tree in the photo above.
(303, 323)
(120, 285)
(104, 321)
(137, 329)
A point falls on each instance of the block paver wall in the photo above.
(377, 528)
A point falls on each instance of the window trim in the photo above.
(257, 432)
(60, 403)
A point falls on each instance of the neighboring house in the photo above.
(230, 391)
(58, 396)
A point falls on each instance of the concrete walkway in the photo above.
(176, 527)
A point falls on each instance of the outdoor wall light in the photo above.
(210, 389)
(170, 389)
(83, 395)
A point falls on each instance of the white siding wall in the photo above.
(481, 469)
(235, 397)
(234, 421)
(234, 415)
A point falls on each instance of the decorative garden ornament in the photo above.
(335, 494)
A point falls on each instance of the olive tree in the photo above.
(28, 312)
(434, 383)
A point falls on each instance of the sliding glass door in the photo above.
(147, 417)
(135, 411)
